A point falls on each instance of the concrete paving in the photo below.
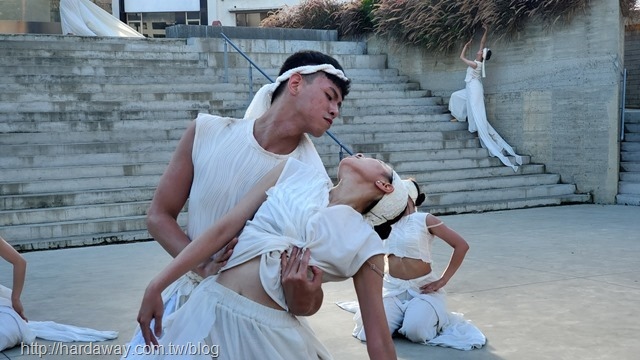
(542, 283)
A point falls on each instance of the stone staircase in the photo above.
(87, 126)
(629, 184)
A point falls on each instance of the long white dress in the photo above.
(474, 109)
(296, 213)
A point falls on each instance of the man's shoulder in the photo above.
(214, 123)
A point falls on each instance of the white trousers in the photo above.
(412, 317)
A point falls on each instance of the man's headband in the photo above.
(262, 100)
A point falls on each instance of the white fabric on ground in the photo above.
(84, 18)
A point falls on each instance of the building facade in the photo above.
(151, 17)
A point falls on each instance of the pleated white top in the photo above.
(227, 162)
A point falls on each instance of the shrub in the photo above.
(309, 14)
(438, 25)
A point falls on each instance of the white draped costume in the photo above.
(422, 318)
(469, 103)
(296, 213)
(84, 18)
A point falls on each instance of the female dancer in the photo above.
(243, 310)
(475, 109)
(414, 297)
(13, 326)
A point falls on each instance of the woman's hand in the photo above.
(16, 304)
(303, 292)
(434, 286)
(151, 308)
(213, 266)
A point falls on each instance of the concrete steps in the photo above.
(629, 184)
(88, 125)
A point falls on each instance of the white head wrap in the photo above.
(262, 100)
(391, 204)
(411, 188)
(484, 55)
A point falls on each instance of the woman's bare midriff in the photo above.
(245, 280)
(407, 268)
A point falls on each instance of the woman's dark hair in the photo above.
(311, 57)
(421, 196)
(384, 229)
(488, 56)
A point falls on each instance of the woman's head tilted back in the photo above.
(385, 193)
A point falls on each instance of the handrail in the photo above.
(623, 102)
(343, 147)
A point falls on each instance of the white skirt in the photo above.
(217, 322)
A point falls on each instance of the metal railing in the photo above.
(623, 102)
(227, 42)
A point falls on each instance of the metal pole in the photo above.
(226, 63)
(623, 103)
(250, 82)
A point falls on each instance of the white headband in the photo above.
(484, 55)
(262, 100)
(411, 188)
(391, 204)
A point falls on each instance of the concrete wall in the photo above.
(632, 64)
(238, 32)
(554, 95)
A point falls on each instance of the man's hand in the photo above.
(302, 293)
(213, 266)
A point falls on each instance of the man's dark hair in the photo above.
(311, 57)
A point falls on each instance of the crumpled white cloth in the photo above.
(49, 330)
(84, 18)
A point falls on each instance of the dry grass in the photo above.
(438, 25)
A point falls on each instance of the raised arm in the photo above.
(10, 254)
(463, 55)
(483, 41)
(199, 250)
(460, 248)
(368, 285)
